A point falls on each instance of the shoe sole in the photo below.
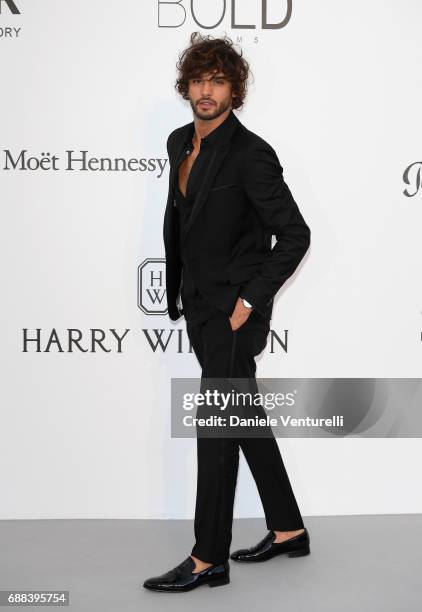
(213, 583)
(298, 553)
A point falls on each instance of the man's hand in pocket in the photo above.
(239, 315)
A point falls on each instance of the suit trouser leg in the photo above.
(223, 352)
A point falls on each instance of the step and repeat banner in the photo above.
(88, 350)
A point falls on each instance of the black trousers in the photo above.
(223, 352)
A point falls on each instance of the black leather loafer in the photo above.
(181, 578)
(298, 546)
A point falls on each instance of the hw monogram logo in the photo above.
(152, 287)
(412, 176)
(11, 5)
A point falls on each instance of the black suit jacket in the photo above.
(243, 201)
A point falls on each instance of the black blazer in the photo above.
(243, 201)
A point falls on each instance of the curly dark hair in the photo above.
(207, 54)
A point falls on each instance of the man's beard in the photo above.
(213, 113)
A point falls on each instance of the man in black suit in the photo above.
(227, 197)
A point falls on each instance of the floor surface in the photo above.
(357, 564)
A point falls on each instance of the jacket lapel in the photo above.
(218, 156)
(170, 207)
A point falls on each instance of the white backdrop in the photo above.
(337, 93)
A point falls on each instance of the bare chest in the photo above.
(184, 170)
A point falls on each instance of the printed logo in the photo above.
(152, 286)
(11, 6)
(412, 177)
(174, 13)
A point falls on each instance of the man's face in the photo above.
(210, 95)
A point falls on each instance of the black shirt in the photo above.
(196, 307)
